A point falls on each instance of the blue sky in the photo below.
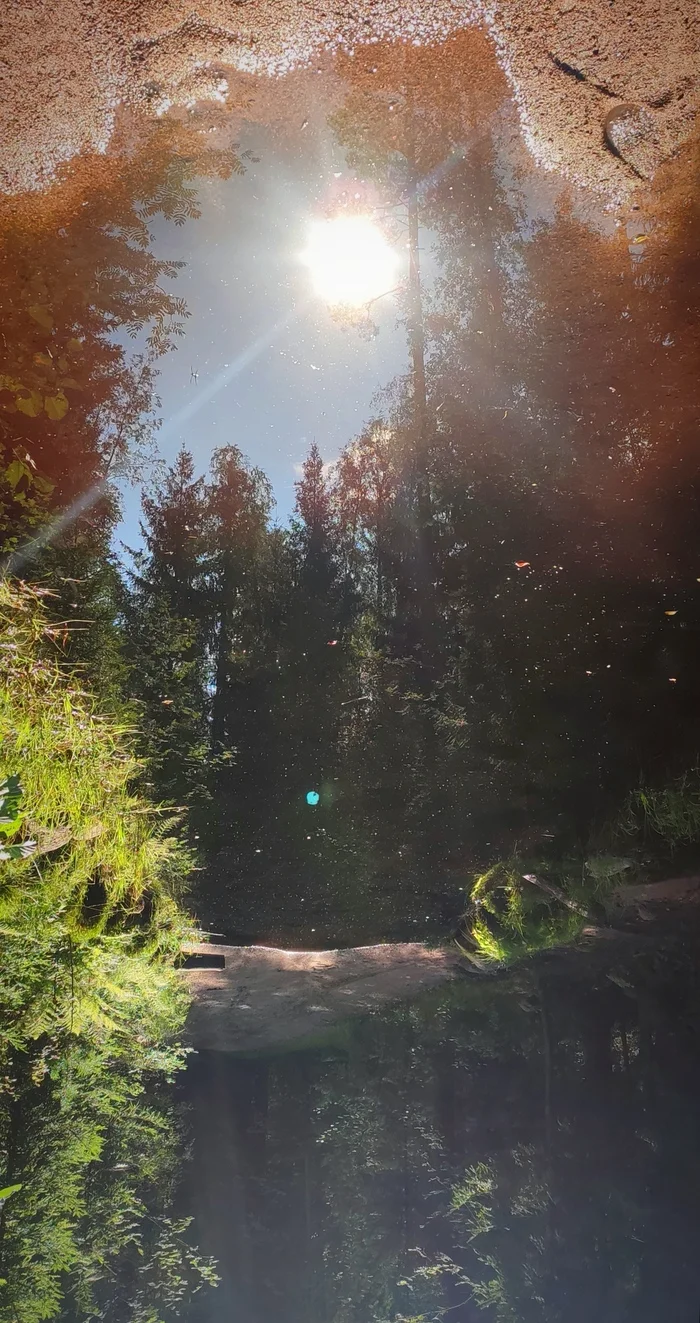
(274, 371)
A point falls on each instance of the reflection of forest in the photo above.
(478, 634)
(532, 1145)
(479, 631)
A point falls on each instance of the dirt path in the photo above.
(263, 996)
(570, 65)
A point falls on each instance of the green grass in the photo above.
(671, 812)
(75, 768)
(509, 917)
(91, 1005)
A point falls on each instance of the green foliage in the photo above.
(25, 497)
(91, 1005)
(11, 818)
(514, 912)
(671, 812)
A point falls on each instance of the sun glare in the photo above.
(350, 261)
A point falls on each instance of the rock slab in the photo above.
(264, 997)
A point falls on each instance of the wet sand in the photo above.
(570, 65)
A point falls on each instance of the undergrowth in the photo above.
(511, 914)
(671, 813)
(518, 907)
(91, 1004)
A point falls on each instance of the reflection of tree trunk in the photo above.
(218, 712)
(445, 1068)
(306, 1239)
(547, 1108)
(218, 1177)
(647, 1023)
(596, 1031)
(625, 1049)
(254, 1120)
(424, 564)
(416, 333)
(405, 1160)
(223, 654)
(547, 1065)
(415, 326)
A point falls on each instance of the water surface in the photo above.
(384, 551)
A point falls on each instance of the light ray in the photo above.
(26, 553)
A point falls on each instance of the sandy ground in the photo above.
(64, 70)
(265, 997)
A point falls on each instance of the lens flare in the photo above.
(350, 261)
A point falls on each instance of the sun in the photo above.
(350, 261)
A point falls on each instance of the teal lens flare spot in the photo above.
(312, 797)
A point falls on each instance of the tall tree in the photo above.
(169, 632)
(239, 500)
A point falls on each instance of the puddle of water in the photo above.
(357, 454)
(523, 1148)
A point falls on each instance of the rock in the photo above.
(263, 996)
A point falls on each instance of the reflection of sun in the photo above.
(350, 261)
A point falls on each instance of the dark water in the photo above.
(403, 601)
(530, 1148)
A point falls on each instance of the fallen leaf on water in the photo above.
(41, 315)
(521, 564)
(56, 406)
(31, 403)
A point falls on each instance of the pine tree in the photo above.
(168, 627)
(239, 500)
(317, 626)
